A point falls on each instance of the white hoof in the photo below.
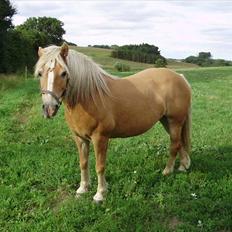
(182, 168)
(184, 165)
(98, 197)
(167, 171)
(81, 190)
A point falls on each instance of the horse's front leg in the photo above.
(83, 148)
(100, 148)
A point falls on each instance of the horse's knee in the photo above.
(100, 168)
(84, 165)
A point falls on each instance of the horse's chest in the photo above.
(79, 123)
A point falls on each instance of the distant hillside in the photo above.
(102, 57)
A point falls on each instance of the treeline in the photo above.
(204, 59)
(100, 46)
(19, 45)
(103, 46)
(144, 53)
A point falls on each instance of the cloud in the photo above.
(178, 28)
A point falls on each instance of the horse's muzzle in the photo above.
(50, 111)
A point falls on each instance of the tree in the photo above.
(205, 55)
(18, 46)
(160, 62)
(145, 53)
(52, 28)
(6, 13)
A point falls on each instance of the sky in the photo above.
(178, 28)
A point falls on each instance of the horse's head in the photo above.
(52, 70)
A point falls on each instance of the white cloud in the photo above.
(178, 28)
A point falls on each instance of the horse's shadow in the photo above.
(215, 161)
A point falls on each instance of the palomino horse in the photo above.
(99, 106)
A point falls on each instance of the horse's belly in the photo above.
(132, 127)
(137, 118)
(129, 133)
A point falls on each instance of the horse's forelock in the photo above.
(51, 56)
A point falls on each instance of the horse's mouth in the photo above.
(50, 111)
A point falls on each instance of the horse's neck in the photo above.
(88, 107)
(97, 104)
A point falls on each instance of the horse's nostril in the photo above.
(49, 110)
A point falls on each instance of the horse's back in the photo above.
(161, 82)
(159, 76)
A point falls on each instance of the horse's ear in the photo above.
(40, 51)
(64, 50)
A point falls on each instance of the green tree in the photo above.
(18, 46)
(145, 53)
(48, 27)
(6, 13)
(204, 55)
(160, 62)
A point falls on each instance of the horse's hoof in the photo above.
(98, 198)
(167, 171)
(81, 190)
(185, 165)
(182, 168)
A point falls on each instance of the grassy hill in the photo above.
(102, 56)
(39, 172)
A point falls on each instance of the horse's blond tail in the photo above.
(186, 132)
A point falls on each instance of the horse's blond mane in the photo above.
(86, 78)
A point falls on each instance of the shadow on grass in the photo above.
(216, 161)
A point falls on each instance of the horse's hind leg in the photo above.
(174, 129)
(185, 160)
(83, 148)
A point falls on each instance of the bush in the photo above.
(160, 63)
(121, 67)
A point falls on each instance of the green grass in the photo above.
(103, 57)
(39, 171)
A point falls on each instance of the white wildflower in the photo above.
(194, 195)
(199, 223)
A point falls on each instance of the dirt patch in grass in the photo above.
(61, 197)
(22, 112)
(173, 223)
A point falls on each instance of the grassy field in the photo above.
(39, 172)
(103, 57)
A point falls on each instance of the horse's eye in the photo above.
(40, 74)
(63, 74)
